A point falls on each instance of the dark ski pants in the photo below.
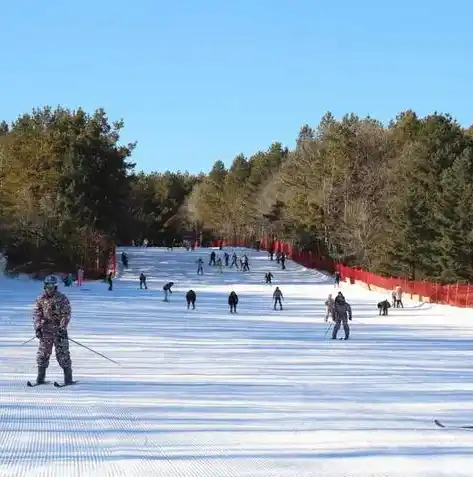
(45, 349)
(200, 271)
(339, 320)
(233, 308)
(191, 302)
(276, 301)
(143, 284)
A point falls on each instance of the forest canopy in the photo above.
(394, 199)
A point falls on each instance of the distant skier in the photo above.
(80, 276)
(268, 277)
(110, 281)
(212, 258)
(342, 313)
(125, 260)
(245, 265)
(167, 290)
(190, 298)
(200, 266)
(143, 281)
(398, 292)
(51, 316)
(283, 261)
(277, 297)
(219, 265)
(329, 307)
(234, 261)
(233, 302)
(337, 279)
(226, 257)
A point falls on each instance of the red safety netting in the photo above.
(456, 294)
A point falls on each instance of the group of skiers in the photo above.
(280, 258)
(240, 263)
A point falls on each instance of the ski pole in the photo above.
(93, 351)
(328, 329)
(28, 341)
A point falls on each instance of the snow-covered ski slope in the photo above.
(261, 393)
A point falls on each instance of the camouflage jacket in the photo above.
(52, 312)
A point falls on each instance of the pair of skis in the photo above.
(56, 384)
(446, 426)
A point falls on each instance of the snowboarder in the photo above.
(212, 258)
(329, 305)
(143, 281)
(190, 298)
(51, 316)
(233, 301)
(167, 290)
(342, 313)
(268, 277)
(277, 297)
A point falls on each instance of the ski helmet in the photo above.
(50, 282)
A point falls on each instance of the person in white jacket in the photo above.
(329, 304)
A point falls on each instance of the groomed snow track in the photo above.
(261, 393)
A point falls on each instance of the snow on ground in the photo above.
(262, 393)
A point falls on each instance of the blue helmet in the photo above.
(50, 282)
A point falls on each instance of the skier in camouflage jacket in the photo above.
(51, 316)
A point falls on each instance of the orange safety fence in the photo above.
(456, 294)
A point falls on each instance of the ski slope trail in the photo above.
(260, 393)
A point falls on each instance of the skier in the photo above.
(80, 277)
(233, 301)
(167, 289)
(190, 298)
(277, 297)
(337, 279)
(227, 258)
(342, 312)
(200, 266)
(398, 292)
(143, 281)
(234, 261)
(245, 265)
(219, 265)
(51, 316)
(383, 307)
(125, 259)
(329, 305)
(268, 277)
(278, 257)
(283, 261)
(110, 281)
(212, 258)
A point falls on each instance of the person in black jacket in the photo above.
(190, 298)
(233, 301)
(167, 289)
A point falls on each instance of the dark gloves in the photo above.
(39, 333)
(62, 333)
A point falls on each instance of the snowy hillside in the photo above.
(261, 393)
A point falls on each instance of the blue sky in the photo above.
(202, 80)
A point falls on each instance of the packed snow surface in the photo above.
(260, 393)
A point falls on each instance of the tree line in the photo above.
(393, 199)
